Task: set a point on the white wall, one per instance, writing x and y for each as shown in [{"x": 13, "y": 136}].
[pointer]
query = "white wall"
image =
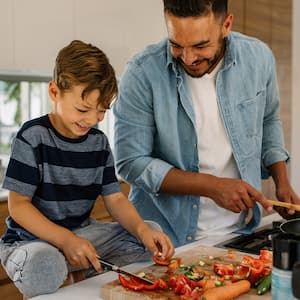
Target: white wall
[
  {"x": 33, "y": 31},
  {"x": 295, "y": 149}
]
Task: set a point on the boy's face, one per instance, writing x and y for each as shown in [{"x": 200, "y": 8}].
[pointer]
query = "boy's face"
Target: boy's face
[{"x": 73, "y": 116}]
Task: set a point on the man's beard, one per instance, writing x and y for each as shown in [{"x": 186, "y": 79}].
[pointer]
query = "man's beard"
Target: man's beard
[{"x": 211, "y": 62}]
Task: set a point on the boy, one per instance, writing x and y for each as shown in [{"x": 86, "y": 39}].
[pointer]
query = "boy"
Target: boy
[{"x": 59, "y": 165}]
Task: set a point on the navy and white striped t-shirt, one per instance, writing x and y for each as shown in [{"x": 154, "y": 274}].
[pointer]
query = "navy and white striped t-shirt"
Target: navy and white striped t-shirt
[{"x": 63, "y": 176}]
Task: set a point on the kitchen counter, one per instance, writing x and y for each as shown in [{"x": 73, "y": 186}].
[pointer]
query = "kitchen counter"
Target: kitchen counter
[{"x": 90, "y": 288}]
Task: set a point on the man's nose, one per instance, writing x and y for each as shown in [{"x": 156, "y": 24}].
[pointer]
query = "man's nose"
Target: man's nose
[{"x": 188, "y": 56}]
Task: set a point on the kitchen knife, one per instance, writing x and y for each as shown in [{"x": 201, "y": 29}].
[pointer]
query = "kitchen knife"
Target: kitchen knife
[{"x": 111, "y": 267}]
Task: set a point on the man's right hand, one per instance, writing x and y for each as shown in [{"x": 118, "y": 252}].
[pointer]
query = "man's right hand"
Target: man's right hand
[{"x": 236, "y": 195}]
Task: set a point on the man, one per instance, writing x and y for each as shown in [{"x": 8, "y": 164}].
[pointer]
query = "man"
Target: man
[{"x": 197, "y": 126}]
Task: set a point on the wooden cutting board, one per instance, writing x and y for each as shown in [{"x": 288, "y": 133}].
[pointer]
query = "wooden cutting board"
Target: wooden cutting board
[{"x": 209, "y": 255}]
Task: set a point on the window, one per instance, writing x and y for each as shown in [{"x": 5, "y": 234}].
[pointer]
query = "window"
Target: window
[{"x": 24, "y": 97}]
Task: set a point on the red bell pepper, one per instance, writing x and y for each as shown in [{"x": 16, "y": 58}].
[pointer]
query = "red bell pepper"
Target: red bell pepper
[
  {"x": 137, "y": 285},
  {"x": 130, "y": 285},
  {"x": 256, "y": 266},
  {"x": 223, "y": 269}
]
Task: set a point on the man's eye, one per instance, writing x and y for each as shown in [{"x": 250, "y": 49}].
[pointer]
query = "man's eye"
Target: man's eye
[{"x": 175, "y": 46}]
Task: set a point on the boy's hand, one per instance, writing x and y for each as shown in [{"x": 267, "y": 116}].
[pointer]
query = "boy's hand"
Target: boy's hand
[
  {"x": 157, "y": 242},
  {"x": 81, "y": 253}
]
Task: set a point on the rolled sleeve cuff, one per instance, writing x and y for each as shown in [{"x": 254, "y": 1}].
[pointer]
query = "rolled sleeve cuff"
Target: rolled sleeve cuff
[
  {"x": 153, "y": 175},
  {"x": 272, "y": 157}
]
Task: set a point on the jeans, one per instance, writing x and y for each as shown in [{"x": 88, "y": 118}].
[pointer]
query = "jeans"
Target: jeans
[{"x": 36, "y": 267}]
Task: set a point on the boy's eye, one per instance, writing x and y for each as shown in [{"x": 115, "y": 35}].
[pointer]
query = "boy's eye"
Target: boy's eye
[{"x": 81, "y": 110}]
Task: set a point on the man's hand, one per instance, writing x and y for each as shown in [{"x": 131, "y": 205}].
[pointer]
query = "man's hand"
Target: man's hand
[
  {"x": 236, "y": 195},
  {"x": 285, "y": 193}
]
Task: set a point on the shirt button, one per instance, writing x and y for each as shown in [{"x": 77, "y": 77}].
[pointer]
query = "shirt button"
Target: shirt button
[
  {"x": 189, "y": 238},
  {"x": 195, "y": 206}
]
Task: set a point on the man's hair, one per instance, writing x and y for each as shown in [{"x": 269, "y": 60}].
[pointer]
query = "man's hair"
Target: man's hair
[
  {"x": 195, "y": 8},
  {"x": 81, "y": 63}
]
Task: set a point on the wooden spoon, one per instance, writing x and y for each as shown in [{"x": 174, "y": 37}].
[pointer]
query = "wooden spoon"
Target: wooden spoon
[{"x": 285, "y": 204}]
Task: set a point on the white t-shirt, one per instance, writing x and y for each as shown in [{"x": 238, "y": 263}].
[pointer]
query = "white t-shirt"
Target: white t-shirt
[{"x": 214, "y": 151}]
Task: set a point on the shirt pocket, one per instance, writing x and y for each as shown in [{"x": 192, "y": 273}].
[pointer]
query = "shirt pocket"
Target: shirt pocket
[{"x": 250, "y": 121}]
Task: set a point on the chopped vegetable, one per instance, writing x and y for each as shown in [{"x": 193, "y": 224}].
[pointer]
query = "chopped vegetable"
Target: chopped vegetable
[
  {"x": 175, "y": 263},
  {"x": 264, "y": 285},
  {"x": 159, "y": 261},
  {"x": 223, "y": 269},
  {"x": 136, "y": 285},
  {"x": 141, "y": 274},
  {"x": 227, "y": 292},
  {"x": 256, "y": 267},
  {"x": 201, "y": 263}
]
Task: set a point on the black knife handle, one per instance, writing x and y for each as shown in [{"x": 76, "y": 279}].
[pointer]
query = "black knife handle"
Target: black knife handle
[{"x": 107, "y": 265}]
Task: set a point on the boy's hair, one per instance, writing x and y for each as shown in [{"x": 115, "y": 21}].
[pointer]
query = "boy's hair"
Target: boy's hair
[
  {"x": 81, "y": 63},
  {"x": 195, "y": 8}
]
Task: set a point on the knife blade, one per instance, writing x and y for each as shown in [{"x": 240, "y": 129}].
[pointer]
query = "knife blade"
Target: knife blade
[{"x": 111, "y": 267}]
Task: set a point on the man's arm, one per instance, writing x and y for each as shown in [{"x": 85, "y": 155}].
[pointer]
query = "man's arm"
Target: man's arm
[
  {"x": 233, "y": 194},
  {"x": 284, "y": 191}
]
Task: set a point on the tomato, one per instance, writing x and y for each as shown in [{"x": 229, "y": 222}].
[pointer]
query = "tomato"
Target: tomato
[
  {"x": 172, "y": 281},
  {"x": 180, "y": 284},
  {"x": 223, "y": 269},
  {"x": 162, "y": 262}
]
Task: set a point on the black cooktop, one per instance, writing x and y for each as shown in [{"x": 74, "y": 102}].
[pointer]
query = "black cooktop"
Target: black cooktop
[{"x": 253, "y": 243}]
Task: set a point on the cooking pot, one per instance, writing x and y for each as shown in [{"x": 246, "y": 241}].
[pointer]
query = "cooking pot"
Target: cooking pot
[{"x": 291, "y": 227}]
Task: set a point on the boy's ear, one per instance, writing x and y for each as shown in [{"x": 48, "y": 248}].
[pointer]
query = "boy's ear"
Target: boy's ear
[{"x": 53, "y": 90}]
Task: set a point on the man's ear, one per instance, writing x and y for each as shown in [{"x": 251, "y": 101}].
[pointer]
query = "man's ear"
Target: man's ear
[
  {"x": 53, "y": 90},
  {"x": 227, "y": 25}
]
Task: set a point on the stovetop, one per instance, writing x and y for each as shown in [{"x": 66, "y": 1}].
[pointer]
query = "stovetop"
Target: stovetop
[{"x": 253, "y": 243}]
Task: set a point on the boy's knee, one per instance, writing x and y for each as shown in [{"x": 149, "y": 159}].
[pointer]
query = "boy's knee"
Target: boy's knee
[{"x": 42, "y": 272}]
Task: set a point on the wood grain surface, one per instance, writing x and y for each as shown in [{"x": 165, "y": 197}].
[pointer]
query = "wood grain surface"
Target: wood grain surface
[{"x": 209, "y": 255}]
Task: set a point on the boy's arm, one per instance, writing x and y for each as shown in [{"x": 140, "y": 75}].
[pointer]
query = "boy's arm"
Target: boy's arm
[
  {"x": 123, "y": 211},
  {"x": 79, "y": 252}
]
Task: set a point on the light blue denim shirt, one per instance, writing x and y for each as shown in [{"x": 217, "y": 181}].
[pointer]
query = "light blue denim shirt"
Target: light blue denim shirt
[{"x": 155, "y": 128}]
